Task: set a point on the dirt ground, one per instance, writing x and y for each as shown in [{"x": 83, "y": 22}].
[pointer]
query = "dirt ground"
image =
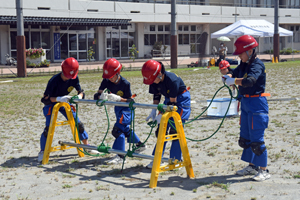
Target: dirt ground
[{"x": 214, "y": 161}]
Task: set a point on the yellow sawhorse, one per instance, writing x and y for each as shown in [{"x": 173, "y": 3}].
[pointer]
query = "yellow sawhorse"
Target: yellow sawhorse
[
  {"x": 161, "y": 139},
  {"x": 54, "y": 124}
]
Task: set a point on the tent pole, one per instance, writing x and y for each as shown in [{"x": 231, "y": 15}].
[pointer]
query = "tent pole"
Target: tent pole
[{"x": 292, "y": 47}]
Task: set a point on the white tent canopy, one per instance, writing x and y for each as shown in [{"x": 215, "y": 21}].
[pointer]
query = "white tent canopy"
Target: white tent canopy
[{"x": 255, "y": 28}]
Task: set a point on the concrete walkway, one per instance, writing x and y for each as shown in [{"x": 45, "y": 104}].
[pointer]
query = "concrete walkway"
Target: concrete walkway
[{"x": 182, "y": 62}]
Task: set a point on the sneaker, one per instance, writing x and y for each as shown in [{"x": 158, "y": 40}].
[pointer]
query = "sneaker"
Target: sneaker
[
  {"x": 40, "y": 156},
  {"x": 141, "y": 147},
  {"x": 262, "y": 175},
  {"x": 149, "y": 166},
  {"x": 115, "y": 160},
  {"x": 249, "y": 170}
]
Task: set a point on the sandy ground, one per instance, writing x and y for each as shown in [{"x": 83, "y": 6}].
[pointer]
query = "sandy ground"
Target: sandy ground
[{"x": 214, "y": 161}]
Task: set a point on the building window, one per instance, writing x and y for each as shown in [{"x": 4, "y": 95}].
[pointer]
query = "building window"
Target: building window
[
  {"x": 149, "y": 39},
  {"x": 180, "y": 28},
  {"x": 195, "y": 43},
  {"x": 180, "y": 39},
  {"x": 193, "y": 28},
  {"x": 160, "y": 38},
  {"x": 160, "y": 27},
  {"x": 146, "y": 39},
  {"x": 152, "y": 27},
  {"x": 186, "y": 39},
  {"x": 152, "y": 39},
  {"x": 167, "y": 39},
  {"x": 167, "y": 27},
  {"x": 124, "y": 27},
  {"x": 186, "y": 28},
  {"x": 36, "y": 36},
  {"x": 193, "y": 38}
]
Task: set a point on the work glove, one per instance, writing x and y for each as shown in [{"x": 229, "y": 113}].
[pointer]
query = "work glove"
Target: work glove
[
  {"x": 65, "y": 98},
  {"x": 79, "y": 96},
  {"x": 104, "y": 96},
  {"x": 152, "y": 115},
  {"x": 158, "y": 118},
  {"x": 224, "y": 77},
  {"x": 230, "y": 81},
  {"x": 113, "y": 97}
]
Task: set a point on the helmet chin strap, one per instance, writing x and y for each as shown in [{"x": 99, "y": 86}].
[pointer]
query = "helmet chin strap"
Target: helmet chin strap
[
  {"x": 249, "y": 56},
  {"x": 117, "y": 78}
]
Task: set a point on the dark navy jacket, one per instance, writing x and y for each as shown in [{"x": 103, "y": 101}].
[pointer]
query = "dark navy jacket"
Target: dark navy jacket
[
  {"x": 57, "y": 87},
  {"x": 172, "y": 86},
  {"x": 257, "y": 70}
]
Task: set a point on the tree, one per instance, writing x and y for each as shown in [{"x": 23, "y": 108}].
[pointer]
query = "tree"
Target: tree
[{"x": 133, "y": 53}]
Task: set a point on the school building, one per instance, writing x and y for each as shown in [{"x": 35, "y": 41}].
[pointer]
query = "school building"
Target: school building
[{"x": 67, "y": 28}]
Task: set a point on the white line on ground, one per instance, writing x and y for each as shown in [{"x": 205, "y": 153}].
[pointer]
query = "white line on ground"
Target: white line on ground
[{"x": 9, "y": 81}]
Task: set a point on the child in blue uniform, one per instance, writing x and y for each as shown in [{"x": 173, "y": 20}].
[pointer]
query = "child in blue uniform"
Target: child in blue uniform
[
  {"x": 120, "y": 91},
  {"x": 224, "y": 68},
  {"x": 250, "y": 75},
  {"x": 174, "y": 90},
  {"x": 58, "y": 88}
]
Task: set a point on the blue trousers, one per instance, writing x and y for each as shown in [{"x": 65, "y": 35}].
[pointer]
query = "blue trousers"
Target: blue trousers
[
  {"x": 123, "y": 124},
  {"x": 175, "y": 151},
  {"x": 184, "y": 110},
  {"x": 47, "y": 110},
  {"x": 254, "y": 121}
]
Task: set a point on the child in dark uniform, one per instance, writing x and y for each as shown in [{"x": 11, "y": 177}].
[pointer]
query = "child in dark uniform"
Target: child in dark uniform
[
  {"x": 174, "y": 90},
  {"x": 120, "y": 91},
  {"x": 58, "y": 88},
  {"x": 224, "y": 68},
  {"x": 250, "y": 75}
]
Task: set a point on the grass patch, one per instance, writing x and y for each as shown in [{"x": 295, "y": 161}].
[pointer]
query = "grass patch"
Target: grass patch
[
  {"x": 67, "y": 186},
  {"x": 219, "y": 185}
]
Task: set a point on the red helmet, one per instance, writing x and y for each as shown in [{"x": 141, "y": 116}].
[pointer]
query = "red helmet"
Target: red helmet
[
  {"x": 224, "y": 64},
  {"x": 70, "y": 68},
  {"x": 244, "y": 43},
  {"x": 150, "y": 71},
  {"x": 111, "y": 67}
]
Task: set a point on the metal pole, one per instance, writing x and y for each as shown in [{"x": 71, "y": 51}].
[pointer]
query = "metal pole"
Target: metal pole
[
  {"x": 119, "y": 152},
  {"x": 21, "y": 56},
  {"x": 173, "y": 35},
  {"x": 276, "y": 34},
  {"x": 124, "y": 104},
  {"x": 19, "y": 7}
]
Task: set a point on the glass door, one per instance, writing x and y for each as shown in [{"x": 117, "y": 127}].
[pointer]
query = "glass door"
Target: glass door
[
  {"x": 78, "y": 45},
  {"x": 82, "y": 46},
  {"x": 118, "y": 44},
  {"x": 115, "y": 41},
  {"x": 124, "y": 44},
  {"x": 73, "y": 46}
]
